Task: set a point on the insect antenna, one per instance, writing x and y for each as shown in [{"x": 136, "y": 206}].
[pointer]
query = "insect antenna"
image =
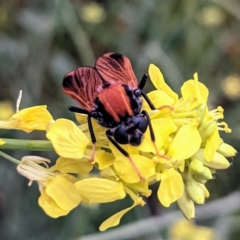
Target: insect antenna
[
  {"x": 141, "y": 86},
  {"x": 143, "y": 81}
]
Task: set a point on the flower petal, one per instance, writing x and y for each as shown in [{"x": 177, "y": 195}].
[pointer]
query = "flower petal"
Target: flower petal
[
  {"x": 158, "y": 81},
  {"x": 158, "y": 98},
  {"x": 2, "y": 142},
  {"x": 67, "y": 165},
  {"x": 67, "y": 139},
  {"x": 114, "y": 220},
  {"x": 28, "y": 119},
  {"x": 104, "y": 159},
  {"x": 50, "y": 207},
  {"x": 212, "y": 144},
  {"x": 163, "y": 127},
  {"x": 186, "y": 143},
  {"x": 196, "y": 89},
  {"x": 63, "y": 192},
  {"x": 126, "y": 171},
  {"x": 127, "y": 147},
  {"x": 171, "y": 187},
  {"x": 100, "y": 190}
]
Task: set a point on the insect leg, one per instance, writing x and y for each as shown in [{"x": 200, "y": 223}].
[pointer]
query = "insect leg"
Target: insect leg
[
  {"x": 125, "y": 153},
  {"x": 148, "y": 100},
  {"x": 141, "y": 86},
  {"x": 152, "y": 135},
  {"x": 77, "y": 110},
  {"x": 90, "y": 127}
]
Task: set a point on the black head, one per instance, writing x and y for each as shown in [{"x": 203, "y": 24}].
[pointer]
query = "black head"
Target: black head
[{"x": 132, "y": 131}]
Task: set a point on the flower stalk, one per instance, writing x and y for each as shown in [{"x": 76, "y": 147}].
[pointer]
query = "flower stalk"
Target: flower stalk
[
  {"x": 31, "y": 145},
  {"x": 8, "y": 157}
]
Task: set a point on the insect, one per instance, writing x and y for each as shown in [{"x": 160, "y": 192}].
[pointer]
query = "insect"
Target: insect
[{"x": 109, "y": 92}]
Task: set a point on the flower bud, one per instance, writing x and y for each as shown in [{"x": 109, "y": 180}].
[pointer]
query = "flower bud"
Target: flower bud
[
  {"x": 206, "y": 129},
  {"x": 196, "y": 166},
  {"x": 200, "y": 112},
  {"x": 205, "y": 174},
  {"x": 218, "y": 161},
  {"x": 227, "y": 150},
  {"x": 186, "y": 206},
  {"x": 206, "y": 192},
  {"x": 195, "y": 191},
  {"x": 199, "y": 179}
]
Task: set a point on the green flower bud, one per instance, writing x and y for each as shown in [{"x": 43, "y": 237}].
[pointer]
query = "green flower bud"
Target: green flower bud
[
  {"x": 204, "y": 175},
  {"x": 200, "y": 112},
  {"x": 218, "y": 161},
  {"x": 196, "y": 166},
  {"x": 199, "y": 179},
  {"x": 206, "y": 129},
  {"x": 186, "y": 206},
  {"x": 207, "y": 174},
  {"x": 195, "y": 191},
  {"x": 227, "y": 150}
]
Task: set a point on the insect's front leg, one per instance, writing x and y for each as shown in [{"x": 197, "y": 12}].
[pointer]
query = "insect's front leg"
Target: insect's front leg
[
  {"x": 90, "y": 127},
  {"x": 152, "y": 135}
]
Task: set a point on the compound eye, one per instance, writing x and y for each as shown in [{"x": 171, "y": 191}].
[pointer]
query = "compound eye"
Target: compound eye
[
  {"x": 136, "y": 138},
  {"x": 137, "y": 92},
  {"x": 141, "y": 123},
  {"x": 121, "y": 135}
]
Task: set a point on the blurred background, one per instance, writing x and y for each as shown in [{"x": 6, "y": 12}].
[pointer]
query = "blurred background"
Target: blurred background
[{"x": 41, "y": 40}]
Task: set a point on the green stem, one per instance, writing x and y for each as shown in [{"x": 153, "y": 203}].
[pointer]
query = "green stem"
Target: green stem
[
  {"x": 31, "y": 145},
  {"x": 8, "y": 157}
]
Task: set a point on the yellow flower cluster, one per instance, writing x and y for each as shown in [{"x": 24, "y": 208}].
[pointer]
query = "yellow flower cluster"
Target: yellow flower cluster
[
  {"x": 185, "y": 154},
  {"x": 184, "y": 229}
]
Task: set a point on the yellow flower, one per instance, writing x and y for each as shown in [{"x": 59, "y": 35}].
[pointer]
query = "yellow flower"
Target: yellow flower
[
  {"x": 6, "y": 110},
  {"x": 133, "y": 190},
  {"x": 92, "y": 13},
  {"x": 103, "y": 190},
  {"x": 185, "y": 153},
  {"x": 28, "y": 119},
  {"x": 58, "y": 193},
  {"x": 188, "y": 230},
  {"x": 193, "y": 88},
  {"x": 188, "y": 155}
]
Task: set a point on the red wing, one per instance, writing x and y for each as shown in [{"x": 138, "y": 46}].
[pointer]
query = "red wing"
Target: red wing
[
  {"x": 114, "y": 67},
  {"x": 83, "y": 85}
]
